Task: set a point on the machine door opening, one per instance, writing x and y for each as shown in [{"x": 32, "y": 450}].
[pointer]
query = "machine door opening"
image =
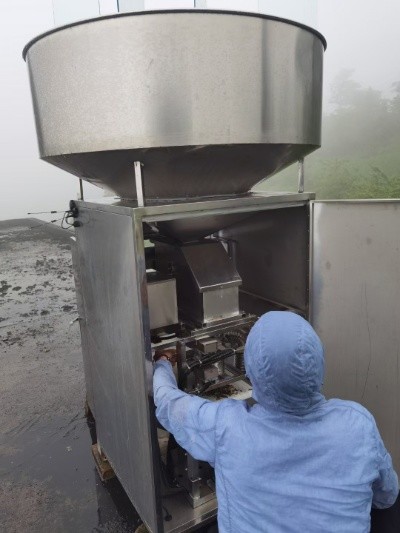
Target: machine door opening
[{"x": 208, "y": 280}]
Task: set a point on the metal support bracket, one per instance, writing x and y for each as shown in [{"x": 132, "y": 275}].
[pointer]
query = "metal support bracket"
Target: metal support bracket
[
  {"x": 301, "y": 175},
  {"x": 139, "y": 183},
  {"x": 81, "y": 189}
]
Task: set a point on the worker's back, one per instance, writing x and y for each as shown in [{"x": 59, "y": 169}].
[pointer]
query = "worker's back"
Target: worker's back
[
  {"x": 293, "y": 462},
  {"x": 286, "y": 473}
]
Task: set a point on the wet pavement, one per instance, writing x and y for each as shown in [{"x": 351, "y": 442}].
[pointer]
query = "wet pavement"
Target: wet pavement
[{"x": 48, "y": 481}]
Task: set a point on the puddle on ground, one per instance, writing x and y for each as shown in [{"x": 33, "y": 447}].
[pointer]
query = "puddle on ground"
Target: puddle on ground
[{"x": 50, "y": 483}]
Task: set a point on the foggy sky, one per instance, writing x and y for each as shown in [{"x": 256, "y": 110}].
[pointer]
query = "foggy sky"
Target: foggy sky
[{"x": 362, "y": 35}]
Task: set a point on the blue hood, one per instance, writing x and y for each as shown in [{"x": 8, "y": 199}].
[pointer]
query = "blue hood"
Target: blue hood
[{"x": 284, "y": 360}]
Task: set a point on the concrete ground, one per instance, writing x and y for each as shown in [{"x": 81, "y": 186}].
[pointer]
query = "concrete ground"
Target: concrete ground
[{"x": 48, "y": 482}]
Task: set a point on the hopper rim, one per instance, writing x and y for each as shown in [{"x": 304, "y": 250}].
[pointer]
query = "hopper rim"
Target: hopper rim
[{"x": 174, "y": 11}]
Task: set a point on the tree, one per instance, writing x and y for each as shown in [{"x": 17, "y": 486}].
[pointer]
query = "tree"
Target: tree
[
  {"x": 344, "y": 90},
  {"x": 360, "y": 154},
  {"x": 395, "y": 102}
]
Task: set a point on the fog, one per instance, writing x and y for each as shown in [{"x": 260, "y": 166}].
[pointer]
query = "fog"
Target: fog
[{"x": 363, "y": 38}]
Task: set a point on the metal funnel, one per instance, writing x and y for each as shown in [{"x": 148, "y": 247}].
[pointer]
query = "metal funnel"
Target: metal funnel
[{"x": 210, "y": 102}]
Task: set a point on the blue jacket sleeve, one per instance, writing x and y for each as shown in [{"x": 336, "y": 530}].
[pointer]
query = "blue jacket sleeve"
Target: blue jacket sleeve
[
  {"x": 190, "y": 419},
  {"x": 386, "y": 487}
]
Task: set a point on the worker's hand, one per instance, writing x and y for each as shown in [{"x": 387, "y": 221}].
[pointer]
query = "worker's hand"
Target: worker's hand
[{"x": 166, "y": 355}]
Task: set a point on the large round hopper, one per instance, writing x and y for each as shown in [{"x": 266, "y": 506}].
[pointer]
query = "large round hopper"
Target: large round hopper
[{"x": 210, "y": 102}]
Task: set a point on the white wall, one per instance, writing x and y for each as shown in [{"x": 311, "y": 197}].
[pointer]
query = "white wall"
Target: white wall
[
  {"x": 305, "y": 11},
  {"x": 66, "y": 11}
]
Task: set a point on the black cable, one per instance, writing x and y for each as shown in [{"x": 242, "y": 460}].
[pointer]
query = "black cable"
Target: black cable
[
  {"x": 45, "y": 213},
  {"x": 43, "y": 224}
]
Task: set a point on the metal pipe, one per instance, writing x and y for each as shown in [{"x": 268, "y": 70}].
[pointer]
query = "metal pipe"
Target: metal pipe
[
  {"x": 139, "y": 183},
  {"x": 301, "y": 174},
  {"x": 80, "y": 189}
]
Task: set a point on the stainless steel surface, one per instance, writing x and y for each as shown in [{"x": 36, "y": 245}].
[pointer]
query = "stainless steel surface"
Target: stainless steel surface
[
  {"x": 211, "y": 102},
  {"x": 139, "y": 183},
  {"x": 207, "y": 344},
  {"x": 272, "y": 259},
  {"x": 185, "y": 518},
  {"x": 301, "y": 175},
  {"x": 201, "y": 209},
  {"x": 356, "y": 306},
  {"x": 210, "y": 266},
  {"x": 163, "y": 307},
  {"x": 88, "y": 363},
  {"x": 223, "y": 214},
  {"x": 198, "y": 227},
  {"x": 115, "y": 348},
  {"x": 220, "y": 303},
  {"x": 207, "y": 282}
]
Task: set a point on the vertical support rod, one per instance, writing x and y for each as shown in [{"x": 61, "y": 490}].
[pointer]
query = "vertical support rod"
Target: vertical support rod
[
  {"x": 139, "y": 183},
  {"x": 301, "y": 174},
  {"x": 80, "y": 189}
]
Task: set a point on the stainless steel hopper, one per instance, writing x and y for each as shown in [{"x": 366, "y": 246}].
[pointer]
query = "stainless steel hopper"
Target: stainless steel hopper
[{"x": 210, "y": 102}]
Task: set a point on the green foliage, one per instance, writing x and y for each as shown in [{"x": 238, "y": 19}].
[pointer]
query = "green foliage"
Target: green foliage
[{"x": 360, "y": 154}]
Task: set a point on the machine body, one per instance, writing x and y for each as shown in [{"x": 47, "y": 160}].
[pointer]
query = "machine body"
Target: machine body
[
  {"x": 179, "y": 114},
  {"x": 116, "y": 278}
]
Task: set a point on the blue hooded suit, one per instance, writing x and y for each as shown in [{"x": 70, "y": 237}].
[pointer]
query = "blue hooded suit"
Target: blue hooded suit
[{"x": 294, "y": 461}]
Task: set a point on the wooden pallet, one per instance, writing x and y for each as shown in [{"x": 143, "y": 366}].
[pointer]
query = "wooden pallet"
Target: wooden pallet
[{"x": 103, "y": 466}]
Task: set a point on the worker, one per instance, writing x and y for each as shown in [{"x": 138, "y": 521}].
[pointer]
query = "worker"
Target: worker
[{"x": 293, "y": 461}]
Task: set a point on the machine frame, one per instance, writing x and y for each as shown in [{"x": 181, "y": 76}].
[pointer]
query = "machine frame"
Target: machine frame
[{"x": 110, "y": 267}]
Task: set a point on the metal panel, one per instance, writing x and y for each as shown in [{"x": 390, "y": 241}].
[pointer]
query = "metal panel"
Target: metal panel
[
  {"x": 272, "y": 258},
  {"x": 356, "y": 306},
  {"x": 163, "y": 306},
  {"x": 210, "y": 102},
  {"x": 210, "y": 266},
  {"x": 207, "y": 208},
  {"x": 80, "y": 303},
  {"x": 112, "y": 269},
  {"x": 198, "y": 227},
  {"x": 222, "y": 302},
  {"x": 206, "y": 279}
]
